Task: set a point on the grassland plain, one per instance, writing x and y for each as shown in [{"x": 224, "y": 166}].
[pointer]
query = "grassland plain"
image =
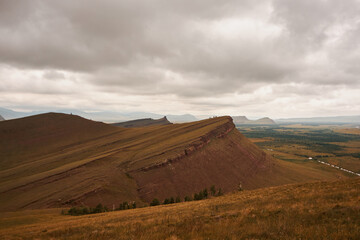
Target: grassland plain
[
  {"x": 318, "y": 210},
  {"x": 336, "y": 145}
]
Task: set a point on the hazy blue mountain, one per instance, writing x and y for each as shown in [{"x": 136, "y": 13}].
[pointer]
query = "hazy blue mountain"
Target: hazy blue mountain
[
  {"x": 323, "y": 120},
  {"x": 143, "y": 122},
  {"x": 10, "y": 114},
  {"x": 181, "y": 118},
  {"x": 104, "y": 116},
  {"x": 242, "y": 120}
]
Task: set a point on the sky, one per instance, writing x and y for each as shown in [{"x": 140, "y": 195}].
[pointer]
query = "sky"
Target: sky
[{"x": 275, "y": 58}]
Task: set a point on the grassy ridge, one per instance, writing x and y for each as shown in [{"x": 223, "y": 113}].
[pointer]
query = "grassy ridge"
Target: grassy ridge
[
  {"x": 59, "y": 160},
  {"x": 321, "y": 210},
  {"x": 52, "y": 160}
]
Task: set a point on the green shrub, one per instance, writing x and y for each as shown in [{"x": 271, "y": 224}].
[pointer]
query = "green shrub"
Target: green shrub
[
  {"x": 187, "y": 199},
  {"x": 155, "y": 202},
  {"x": 212, "y": 190}
]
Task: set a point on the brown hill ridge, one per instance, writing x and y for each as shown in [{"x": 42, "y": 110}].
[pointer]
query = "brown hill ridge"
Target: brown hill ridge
[
  {"x": 143, "y": 122},
  {"x": 56, "y": 160}
]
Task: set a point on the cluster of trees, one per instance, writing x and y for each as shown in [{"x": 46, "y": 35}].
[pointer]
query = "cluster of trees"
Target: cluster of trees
[
  {"x": 197, "y": 196},
  {"x": 76, "y": 211},
  {"x": 126, "y": 205}
]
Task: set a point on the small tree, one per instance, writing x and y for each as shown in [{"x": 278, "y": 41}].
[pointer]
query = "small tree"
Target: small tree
[
  {"x": 85, "y": 210},
  {"x": 155, "y": 202},
  {"x": 187, "y": 199},
  {"x": 177, "y": 200},
  {"x": 166, "y": 201},
  {"x": 220, "y": 193},
  {"x": 201, "y": 195},
  {"x": 205, "y": 193},
  {"x": 213, "y": 190},
  {"x": 98, "y": 209},
  {"x": 134, "y": 205},
  {"x": 172, "y": 200},
  {"x": 196, "y": 196}
]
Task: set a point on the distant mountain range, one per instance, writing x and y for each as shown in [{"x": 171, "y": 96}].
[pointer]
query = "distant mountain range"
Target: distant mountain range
[
  {"x": 143, "y": 122},
  {"x": 242, "y": 120},
  {"x": 104, "y": 116},
  {"x": 323, "y": 120}
]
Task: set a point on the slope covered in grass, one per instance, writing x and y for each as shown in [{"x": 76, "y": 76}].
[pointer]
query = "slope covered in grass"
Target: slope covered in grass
[
  {"x": 320, "y": 210},
  {"x": 55, "y": 160}
]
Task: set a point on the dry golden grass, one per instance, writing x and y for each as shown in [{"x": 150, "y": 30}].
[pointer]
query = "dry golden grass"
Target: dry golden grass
[
  {"x": 322, "y": 210},
  {"x": 348, "y": 131},
  {"x": 255, "y": 140}
]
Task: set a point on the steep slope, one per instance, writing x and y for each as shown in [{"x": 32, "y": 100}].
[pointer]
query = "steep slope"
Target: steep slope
[
  {"x": 55, "y": 160},
  {"x": 143, "y": 122},
  {"x": 1, "y": 118}
]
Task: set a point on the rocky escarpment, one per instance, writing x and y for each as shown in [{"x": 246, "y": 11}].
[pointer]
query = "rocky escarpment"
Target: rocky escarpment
[
  {"x": 217, "y": 133},
  {"x": 221, "y": 157}
]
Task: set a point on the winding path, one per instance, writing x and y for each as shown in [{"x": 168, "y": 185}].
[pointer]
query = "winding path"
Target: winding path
[{"x": 340, "y": 168}]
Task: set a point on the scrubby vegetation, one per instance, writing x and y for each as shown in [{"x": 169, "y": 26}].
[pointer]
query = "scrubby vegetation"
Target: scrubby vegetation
[
  {"x": 204, "y": 194},
  {"x": 77, "y": 211}
]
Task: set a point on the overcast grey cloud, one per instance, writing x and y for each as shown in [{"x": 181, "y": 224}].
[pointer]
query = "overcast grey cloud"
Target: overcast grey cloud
[{"x": 271, "y": 58}]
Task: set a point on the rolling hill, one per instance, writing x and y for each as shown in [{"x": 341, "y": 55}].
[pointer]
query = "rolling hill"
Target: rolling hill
[
  {"x": 143, "y": 122},
  {"x": 56, "y": 160},
  {"x": 242, "y": 120}
]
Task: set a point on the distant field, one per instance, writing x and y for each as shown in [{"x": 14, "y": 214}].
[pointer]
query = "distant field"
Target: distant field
[
  {"x": 321, "y": 210},
  {"x": 296, "y": 143}
]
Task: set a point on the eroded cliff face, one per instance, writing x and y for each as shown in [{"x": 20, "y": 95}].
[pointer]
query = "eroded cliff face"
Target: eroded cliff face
[
  {"x": 222, "y": 157},
  {"x": 217, "y": 133}
]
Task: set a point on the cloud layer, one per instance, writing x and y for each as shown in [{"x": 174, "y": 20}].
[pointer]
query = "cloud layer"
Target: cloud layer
[{"x": 275, "y": 58}]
